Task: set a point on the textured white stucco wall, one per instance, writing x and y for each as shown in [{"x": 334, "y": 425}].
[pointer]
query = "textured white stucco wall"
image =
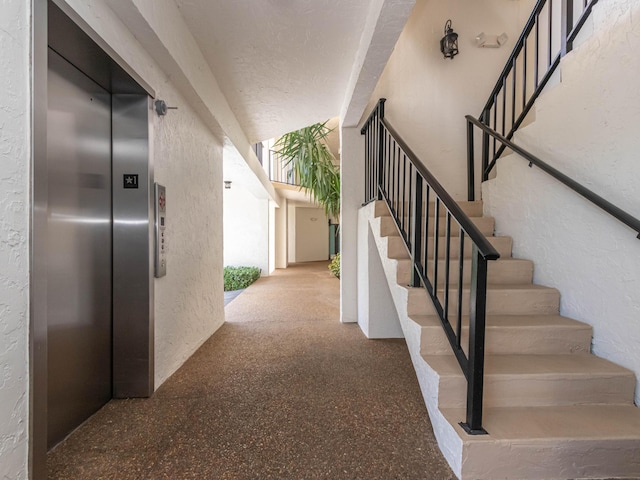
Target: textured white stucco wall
[
  {"x": 246, "y": 229},
  {"x": 188, "y": 161},
  {"x": 189, "y": 300},
  {"x": 428, "y": 96},
  {"x": 587, "y": 127},
  {"x": 377, "y": 314},
  {"x": 14, "y": 236}
]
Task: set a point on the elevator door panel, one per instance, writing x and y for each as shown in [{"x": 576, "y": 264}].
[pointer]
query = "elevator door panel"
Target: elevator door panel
[{"x": 79, "y": 248}]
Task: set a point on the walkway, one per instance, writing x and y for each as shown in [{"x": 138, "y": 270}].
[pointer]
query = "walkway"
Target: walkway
[{"x": 281, "y": 391}]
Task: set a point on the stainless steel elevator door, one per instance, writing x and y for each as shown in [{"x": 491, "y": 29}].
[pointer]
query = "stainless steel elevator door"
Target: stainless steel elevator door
[{"x": 79, "y": 248}]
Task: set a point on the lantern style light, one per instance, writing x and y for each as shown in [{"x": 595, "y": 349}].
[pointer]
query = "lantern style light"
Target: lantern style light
[{"x": 449, "y": 43}]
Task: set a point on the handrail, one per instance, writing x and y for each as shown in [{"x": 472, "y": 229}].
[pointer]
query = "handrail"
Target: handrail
[
  {"x": 377, "y": 110},
  {"x": 484, "y": 247},
  {"x": 594, "y": 198},
  {"x": 516, "y": 50},
  {"x": 394, "y": 174},
  {"x": 525, "y": 74}
]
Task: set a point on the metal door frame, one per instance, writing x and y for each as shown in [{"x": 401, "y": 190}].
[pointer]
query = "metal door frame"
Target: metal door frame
[{"x": 133, "y": 308}]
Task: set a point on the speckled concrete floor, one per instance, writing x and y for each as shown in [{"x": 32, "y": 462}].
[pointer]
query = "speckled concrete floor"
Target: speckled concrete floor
[{"x": 281, "y": 391}]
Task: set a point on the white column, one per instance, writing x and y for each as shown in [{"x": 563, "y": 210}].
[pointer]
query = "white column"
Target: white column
[
  {"x": 273, "y": 232},
  {"x": 281, "y": 234},
  {"x": 351, "y": 197}
]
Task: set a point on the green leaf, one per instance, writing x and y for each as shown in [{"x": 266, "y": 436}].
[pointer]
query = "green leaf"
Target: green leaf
[
  {"x": 237, "y": 278},
  {"x": 305, "y": 151}
]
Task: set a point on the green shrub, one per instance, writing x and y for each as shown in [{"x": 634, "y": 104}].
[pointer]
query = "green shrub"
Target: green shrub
[
  {"x": 334, "y": 266},
  {"x": 237, "y": 278}
]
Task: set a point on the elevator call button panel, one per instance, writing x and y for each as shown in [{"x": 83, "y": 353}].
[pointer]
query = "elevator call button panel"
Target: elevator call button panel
[{"x": 161, "y": 238}]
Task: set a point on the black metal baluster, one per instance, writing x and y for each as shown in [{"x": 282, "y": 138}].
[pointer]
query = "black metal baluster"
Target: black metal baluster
[
  {"x": 495, "y": 123},
  {"x": 367, "y": 174},
  {"x": 393, "y": 181},
  {"x": 381, "y": 154},
  {"x": 475, "y": 372},
  {"x": 372, "y": 159},
  {"x": 376, "y": 159},
  {"x": 416, "y": 245},
  {"x": 366, "y": 165},
  {"x": 524, "y": 73},
  {"x": 393, "y": 176},
  {"x": 471, "y": 169},
  {"x": 460, "y": 283},
  {"x": 485, "y": 156},
  {"x": 397, "y": 186},
  {"x": 447, "y": 256},
  {"x": 513, "y": 94},
  {"x": 372, "y": 162},
  {"x": 379, "y": 184},
  {"x": 401, "y": 204},
  {"x": 404, "y": 195},
  {"x": 388, "y": 160},
  {"x": 436, "y": 240},
  {"x": 566, "y": 26},
  {"x": 425, "y": 269},
  {"x": 550, "y": 5},
  {"x": 383, "y": 164},
  {"x": 374, "y": 154},
  {"x": 537, "y": 53},
  {"x": 411, "y": 207},
  {"x": 504, "y": 102}
]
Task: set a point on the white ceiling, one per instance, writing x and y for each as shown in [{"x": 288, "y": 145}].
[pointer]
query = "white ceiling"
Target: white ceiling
[{"x": 281, "y": 64}]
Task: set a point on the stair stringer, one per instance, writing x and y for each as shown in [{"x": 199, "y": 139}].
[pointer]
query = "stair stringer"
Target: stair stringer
[
  {"x": 449, "y": 441},
  {"x": 524, "y": 442}
]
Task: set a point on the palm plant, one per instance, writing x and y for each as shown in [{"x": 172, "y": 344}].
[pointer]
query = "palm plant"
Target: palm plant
[{"x": 305, "y": 151}]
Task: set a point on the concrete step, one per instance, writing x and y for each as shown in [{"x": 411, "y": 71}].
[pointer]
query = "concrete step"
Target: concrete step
[
  {"x": 507, "y": 271},
  {"x": 552, "y": 409},
  {"x": 537, "y": 380},
  {"x": 472, "y": 209},
  {"x": 484, "y": 224},
  {"x": 397, "y": 250},
  {"x": 501, "y": 300},
  {"x": 512, "y": 334},
  {"x": 578, "y": 441}
]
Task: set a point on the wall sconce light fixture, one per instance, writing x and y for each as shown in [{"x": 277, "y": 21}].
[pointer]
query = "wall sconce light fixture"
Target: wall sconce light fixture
[
  {"x": 449, "y": 43},
  {"x": 227, "y": 184},
  {"x": 491, "y": 41}
]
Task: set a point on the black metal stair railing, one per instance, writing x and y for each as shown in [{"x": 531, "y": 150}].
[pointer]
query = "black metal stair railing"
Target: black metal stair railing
[
  {"x": 509, "y": 103},
  {"x": 594, "y": 198},
  {"x": 548, "y": 35},
  {"x": 395, "y": 175},
  {"x": 281, "y": 170}
]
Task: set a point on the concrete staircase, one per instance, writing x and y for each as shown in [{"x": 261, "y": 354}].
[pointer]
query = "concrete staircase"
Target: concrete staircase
[{"x": 552, "y": 409}]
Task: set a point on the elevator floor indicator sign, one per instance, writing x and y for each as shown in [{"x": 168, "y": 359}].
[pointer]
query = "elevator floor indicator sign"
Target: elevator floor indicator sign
[{"x": 130, "y": 180}]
